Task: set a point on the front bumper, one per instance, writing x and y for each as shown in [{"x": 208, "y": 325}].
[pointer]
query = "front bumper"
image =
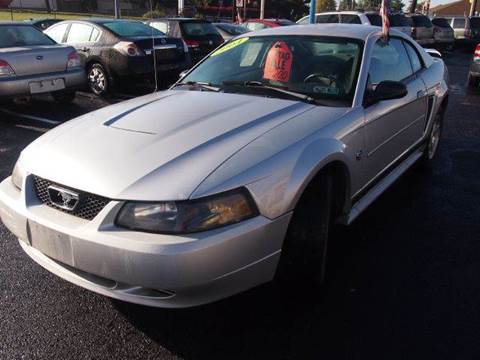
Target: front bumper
[
  {"x": 12, "y": 87},
  {"x": 148, "y": 269}
]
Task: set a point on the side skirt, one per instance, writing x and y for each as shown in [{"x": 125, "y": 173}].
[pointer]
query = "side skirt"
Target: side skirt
[{"x": 381, "y": 186}]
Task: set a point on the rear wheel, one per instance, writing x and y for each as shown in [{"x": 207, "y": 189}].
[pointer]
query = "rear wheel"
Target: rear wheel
[
  {"x": 473, "y": 81},
  {"x": 304, "y": 251},
  {"x": 64, "y": 97},
  {"x": 434, "y": 138},
  {"x": 98, "y": 81}
]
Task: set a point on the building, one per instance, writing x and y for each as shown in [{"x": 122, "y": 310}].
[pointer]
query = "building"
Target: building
[{"x": 456, "y": 8}]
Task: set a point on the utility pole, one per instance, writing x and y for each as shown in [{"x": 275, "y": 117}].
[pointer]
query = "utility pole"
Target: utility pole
[
  {"x": 313, "y": 6},
  {"x": 117, "y": 9},
  {"x": 473, "y": 8},
  {"x": 262, "y": 9}
]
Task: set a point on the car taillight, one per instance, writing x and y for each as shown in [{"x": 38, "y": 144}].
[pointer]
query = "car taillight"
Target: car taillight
[
  {"x": 128, "y": 48},
  {"x": 476, "y": 55},
  {"x": 6, "y": 69},
  {"x": 73, "y": 60},
  {"x": 192, "y": 43}
]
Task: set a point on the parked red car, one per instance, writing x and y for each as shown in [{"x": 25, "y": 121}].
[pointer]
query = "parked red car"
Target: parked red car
[{"x": 259, "y": 24}]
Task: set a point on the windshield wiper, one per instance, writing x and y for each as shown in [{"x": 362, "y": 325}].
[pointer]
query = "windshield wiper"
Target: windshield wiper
[
  {"x": 201, "y": 85},
  {"x": 260, "y": 85}
]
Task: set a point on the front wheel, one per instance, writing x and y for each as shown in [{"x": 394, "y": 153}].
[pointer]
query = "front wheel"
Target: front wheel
[{"x": 304, "y": 250}]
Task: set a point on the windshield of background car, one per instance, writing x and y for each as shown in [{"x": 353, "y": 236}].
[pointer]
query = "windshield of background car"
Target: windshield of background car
[
  {"x": 199, "y": 29},
  {"x": 375, "y": 19},
  {"x": 441, "y": 22},
  {"x": 13, "y": 36},
  {"x": 319, "y": 67},
  {"x": 398, "y": 20},
  {"x": 233, "y": 29},
  {"x": 475, "y": 22},
  {"x": 421, "y": 21},
  {"x": 132, "y": 29}
]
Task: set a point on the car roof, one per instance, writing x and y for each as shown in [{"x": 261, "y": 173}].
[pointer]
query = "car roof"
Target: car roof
[
  {"x": 353, "y": 31},
  {"x": 15, "y": 23}
]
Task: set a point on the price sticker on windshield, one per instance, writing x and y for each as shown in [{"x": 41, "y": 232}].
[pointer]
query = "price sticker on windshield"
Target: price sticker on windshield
[
  {"x": 278, "y": 66},
  {"x": 231, "y": 45}
]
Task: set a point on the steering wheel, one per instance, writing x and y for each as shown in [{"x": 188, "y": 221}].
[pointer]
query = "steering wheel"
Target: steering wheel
[{"x": 325, "y": 78}]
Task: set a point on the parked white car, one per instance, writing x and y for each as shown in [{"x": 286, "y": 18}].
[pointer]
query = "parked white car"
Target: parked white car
[{"x": 398, "y": 21}]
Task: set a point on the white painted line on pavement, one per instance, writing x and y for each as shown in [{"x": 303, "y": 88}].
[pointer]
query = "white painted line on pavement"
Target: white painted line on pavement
[{"x": 31, "y": 117}]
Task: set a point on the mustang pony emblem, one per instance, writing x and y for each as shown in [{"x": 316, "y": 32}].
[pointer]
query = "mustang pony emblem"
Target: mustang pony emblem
[{"x": 63, "y": 198}]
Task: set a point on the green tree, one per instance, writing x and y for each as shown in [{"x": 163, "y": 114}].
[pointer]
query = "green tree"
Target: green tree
[
  {"x": 326, "y": 5},
  {"x": 368, "y": 4},
  {"x": 397, "y": 5},
  {"x": 345, "y": 5}
]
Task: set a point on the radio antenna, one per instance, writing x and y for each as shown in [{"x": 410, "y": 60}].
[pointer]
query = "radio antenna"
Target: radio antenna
[{"x": 153, "y": 49}]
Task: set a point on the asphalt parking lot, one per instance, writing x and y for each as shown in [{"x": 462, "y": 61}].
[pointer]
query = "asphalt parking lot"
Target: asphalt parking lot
[{"x": 402, "y": 280}]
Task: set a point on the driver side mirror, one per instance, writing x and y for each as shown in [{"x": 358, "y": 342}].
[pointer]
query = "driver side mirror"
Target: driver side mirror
[{"x": 386, "y": 90}]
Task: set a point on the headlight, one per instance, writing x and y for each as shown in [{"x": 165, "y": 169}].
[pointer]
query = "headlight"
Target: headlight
[
  {"x": 18, "y": 175},
  {"x": 183, "y": 217}
]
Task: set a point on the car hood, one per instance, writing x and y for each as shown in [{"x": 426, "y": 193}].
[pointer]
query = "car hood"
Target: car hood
[{"x": 156, "y": 147}]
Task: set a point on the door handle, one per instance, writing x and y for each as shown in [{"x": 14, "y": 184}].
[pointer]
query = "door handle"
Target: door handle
[{"x": 421, "y": 94}]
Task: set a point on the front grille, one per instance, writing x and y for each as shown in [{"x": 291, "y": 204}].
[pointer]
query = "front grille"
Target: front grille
[{"x": 89, "y": 204}]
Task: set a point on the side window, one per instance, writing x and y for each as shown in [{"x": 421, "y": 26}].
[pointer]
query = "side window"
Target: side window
[
  {"x": 95, "y": 35},
  {"x": 79, "y": 33},
  {"x": 414, "y": 58},
  {"x": 162, "y": 26},
  {"x": 327, "y": 19},
  {"x": 350, "y": 19},
  {"x": 389, "y": 61},
  {"x": 459, "y": 23},
  {"x": 304, "y": 20},
  {"x": 57, "y": 32}
]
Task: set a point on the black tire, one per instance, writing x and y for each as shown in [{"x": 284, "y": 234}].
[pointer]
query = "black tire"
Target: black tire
[
  {"x": 434, "y": 138},
  {"x": 98, "y": 80},
  {"x": 304, "y": 251},
  {"x": 64, "y": 97},
  {"x": 473, "y": 81}
]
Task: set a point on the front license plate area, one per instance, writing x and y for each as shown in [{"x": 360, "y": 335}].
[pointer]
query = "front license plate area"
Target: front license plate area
[
  {"x": 52, "y": 243},
  {"x": 39, "y": 87}
]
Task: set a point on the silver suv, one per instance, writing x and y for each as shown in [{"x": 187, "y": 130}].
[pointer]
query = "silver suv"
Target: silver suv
[
  {"x": 466, "y": 30},
  {"x": 422, "y": 29}
]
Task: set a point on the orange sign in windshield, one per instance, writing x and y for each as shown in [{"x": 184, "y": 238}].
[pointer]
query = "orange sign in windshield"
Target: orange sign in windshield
[{"x": 278, "y": 65}]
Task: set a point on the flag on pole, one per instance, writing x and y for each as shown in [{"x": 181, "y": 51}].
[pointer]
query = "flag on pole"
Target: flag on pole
[
  {"x": 385, "y": 21},
  {"x": 239, "y": 17}
]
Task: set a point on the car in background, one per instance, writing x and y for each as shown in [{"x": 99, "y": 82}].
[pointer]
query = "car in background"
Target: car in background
[
  {"x": 397, "y": 21},
  {"x": 466, "y": 29},
  {"x": 31, "y": 63},
  {"x": 228, "y": 30},
  {"x": 422, "y": 29},
  {"x": 234, "y": 176},
  {"x": 474, "y": 72},
  {"x": 42, "y": 24},
  {"x": 443, "y": 33},
  {"x": 119, "y": 52},
  {"x": 201, "y": 36},
  {"x": 259, "y": 24}
]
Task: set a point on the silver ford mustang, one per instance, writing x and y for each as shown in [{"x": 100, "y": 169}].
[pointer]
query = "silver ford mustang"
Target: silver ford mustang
[{"x": 233, "y": 176}]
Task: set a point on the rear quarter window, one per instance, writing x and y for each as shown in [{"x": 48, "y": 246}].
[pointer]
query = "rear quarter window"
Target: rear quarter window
[
  {"x": 350, "y": 19},
  {"x": 328, "y": 19}
]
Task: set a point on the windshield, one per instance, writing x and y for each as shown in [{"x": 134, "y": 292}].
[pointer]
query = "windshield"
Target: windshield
[
  {"x": 199, "y": 29},
  {"x": 232, "y": 29},
  {"x": 398, "y": 20},
  {"x": 441, "y": 22},
  {"x": 375, "y": 19},
  {"x": 318, "y": 67},
  {"x": 132, "y": 29},
  {"x": 22, "y": 36},
  {"x": 421, "y": 21},
  {"x": 475, "y": 22}
]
